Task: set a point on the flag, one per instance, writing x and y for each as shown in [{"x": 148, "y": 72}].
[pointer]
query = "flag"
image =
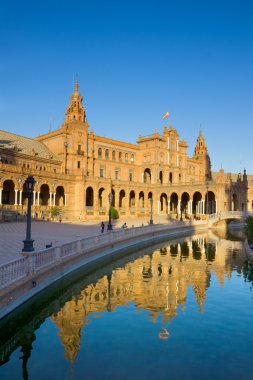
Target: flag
[{"x": 166, "y": 115}]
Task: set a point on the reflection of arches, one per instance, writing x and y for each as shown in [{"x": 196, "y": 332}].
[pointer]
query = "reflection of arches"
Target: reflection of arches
[
  {"x": 163, "y": 203},
  {"x": 132, "y": 199},
  {"x": 173, "y": 202},
  {"x": 89, "y": 196},
  {"x": 161, "y": 177},
  {"x": 234, "y": 202},
  {"x": 184, "y": 203},
  {"x": 147, "y": 176},
  {"x": 59, "y": 196},
  {"x": 210, "y": 204},
  {"x": 141, "y": 199},
  {"x": 122, "y": 196},
  {"x": 8, "y": 193},
  {"x": 101, "y": 195},
  {"x": 44, "y": 195},
  {"x": 196, "y": 203}
]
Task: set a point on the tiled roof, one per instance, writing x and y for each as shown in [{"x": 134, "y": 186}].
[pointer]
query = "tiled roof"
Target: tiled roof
[{"x": 25, "y": 145}]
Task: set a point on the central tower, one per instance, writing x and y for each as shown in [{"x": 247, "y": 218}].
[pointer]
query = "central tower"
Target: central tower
[{"x": 75, "y": 110}]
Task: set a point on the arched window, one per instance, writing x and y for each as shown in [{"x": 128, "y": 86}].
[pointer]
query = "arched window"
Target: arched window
[
  {"x": 126, "y": 157},
  {"x": 107, "y": 154},
  {"x": 113, "y": 155},
  {"x": 120, "y": 156},
  {"x": 99, "y": 153}
]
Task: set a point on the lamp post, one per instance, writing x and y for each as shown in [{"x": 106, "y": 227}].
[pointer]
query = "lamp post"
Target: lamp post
[
  {"x": 151, "y": 211},
  {"x": 28, "y": 242},
  {"x": 109, "y": 227}
]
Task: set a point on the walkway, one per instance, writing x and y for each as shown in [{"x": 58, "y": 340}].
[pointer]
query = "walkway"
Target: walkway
[{"x": 13, "y": 234}]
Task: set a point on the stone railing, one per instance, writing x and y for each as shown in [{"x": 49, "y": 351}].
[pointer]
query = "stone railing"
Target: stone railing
[
  {"x": 32, "y": 263},
  {"x": 225, "y": 215}
]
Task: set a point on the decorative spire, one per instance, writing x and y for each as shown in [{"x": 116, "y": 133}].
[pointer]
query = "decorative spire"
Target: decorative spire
[{"x": 75, "y": 111}]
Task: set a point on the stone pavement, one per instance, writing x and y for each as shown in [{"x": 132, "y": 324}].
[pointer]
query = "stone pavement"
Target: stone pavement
[{"x": 13, "y": 234}]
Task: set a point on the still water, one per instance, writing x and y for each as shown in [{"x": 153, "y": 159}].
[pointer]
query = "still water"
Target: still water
[{"x": 181, "y": 310}]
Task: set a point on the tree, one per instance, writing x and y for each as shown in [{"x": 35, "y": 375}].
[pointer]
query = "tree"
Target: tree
[
  {"x": 114, "y": 213},
  {"x": 55, "y": 211}
]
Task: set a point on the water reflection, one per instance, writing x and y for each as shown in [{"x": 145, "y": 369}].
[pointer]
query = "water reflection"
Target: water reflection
[{"x": 156, "y": 280}]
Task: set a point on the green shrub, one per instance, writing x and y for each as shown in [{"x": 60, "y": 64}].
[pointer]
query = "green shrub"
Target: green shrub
[
  {"x": 249, "y": 229},
  {"x": 55, "y": 211},
  {"x": 114, "y": 213}
]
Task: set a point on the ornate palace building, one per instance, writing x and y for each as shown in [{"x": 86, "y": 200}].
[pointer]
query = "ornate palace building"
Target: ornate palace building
[{"x": 77, "y": 170}]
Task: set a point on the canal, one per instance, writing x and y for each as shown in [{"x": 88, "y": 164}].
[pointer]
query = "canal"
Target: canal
[{"x": 178, "y": 310}]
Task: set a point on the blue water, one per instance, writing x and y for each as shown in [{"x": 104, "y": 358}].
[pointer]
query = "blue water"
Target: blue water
[{"x": 182, "y": 312}]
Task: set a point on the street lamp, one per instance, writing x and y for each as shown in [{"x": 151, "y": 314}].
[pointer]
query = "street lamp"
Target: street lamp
[
  {"x": 109, "y": 227},
  {"x": 151, "y": 211},
  {"x": 28, "y": 242}
]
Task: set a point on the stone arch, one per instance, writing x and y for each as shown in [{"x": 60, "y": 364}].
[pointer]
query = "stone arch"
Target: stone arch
[
  {"x": 185, "y": 197},
  {"x": 173, "y": 203},
  {"x": 99, "y": 152},
  {"x": 101, "y": 197},
  {"x": 131, "y": 199},
  {"x": 141, "y": 199},
  {"x": 122, "y": 198},
  {"x": 197, "y": 197},
  {"x": 147, "y": 176},
  {"x": 210, "y": 203},
  {"x": 163, "y": 203},
  {"x": 44, "y": 195},
  {"x": 234, "y": 202},
  {"x": 8, "y": 193},
  {"x": 89, "y": 199},
  {"x": 59, "y": 196}
]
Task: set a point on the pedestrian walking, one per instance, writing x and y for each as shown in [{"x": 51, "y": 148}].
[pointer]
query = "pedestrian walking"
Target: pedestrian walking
[{"x": 102, "y": 227}]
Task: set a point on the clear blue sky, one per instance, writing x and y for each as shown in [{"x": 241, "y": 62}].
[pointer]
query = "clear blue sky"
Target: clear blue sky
[{"x": 135, "y": 60}]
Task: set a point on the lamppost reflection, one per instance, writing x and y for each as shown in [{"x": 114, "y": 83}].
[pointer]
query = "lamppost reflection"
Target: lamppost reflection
[{"x": 28, "y": 242}]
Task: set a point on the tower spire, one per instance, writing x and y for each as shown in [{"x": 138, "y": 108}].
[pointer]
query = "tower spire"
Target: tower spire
[{"x": 75, "y": 110}]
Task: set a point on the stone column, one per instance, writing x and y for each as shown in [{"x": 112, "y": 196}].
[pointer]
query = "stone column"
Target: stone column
[
  {"x": 216, "y": 206},
  {"x": 34, "y": 197},
  {"x": 179, "y": 207},
  {"x": 20, "y": 197},
  {"x": 50, "y": 199},
  {"x": 54, "y": 195},
  {"x": 203, "y": 207},
  {"x": 38, "y": 198},
  {"x": 65, "y": 200},
  {"x": 1, "y": 190},
  {"x": 16, "y": 198}
]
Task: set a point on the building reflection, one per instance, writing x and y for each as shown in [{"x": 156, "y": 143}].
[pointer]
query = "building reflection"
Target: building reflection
[{"x": 156, "y": 282}]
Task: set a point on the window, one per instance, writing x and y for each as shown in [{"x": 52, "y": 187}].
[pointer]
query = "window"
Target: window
[
  {"x": 120, "y": 156},
  {"x": 126, "y": 157},
  {"x": 131, "y": 176},
  {"x": 117, "y": 173},
  {"x": 113, "y": 155},
  {"x": 107, "y": 154},
  {"x": 99, "y": 153},
  {"x": 102, "y": 172},
  {"x": 78, "y": 164},
  {"x": 132, "y": 158}
]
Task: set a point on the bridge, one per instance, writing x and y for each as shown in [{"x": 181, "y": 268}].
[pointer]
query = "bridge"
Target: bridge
[{"x": 227, "y": 216}]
